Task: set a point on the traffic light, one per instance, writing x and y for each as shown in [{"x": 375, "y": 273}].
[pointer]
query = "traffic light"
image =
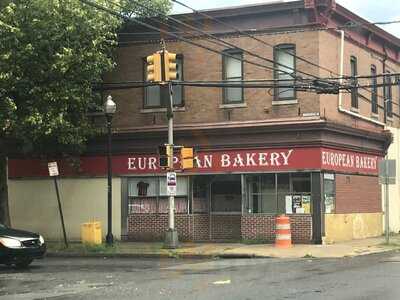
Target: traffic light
[
  {"x": 165, "y": 156},
  {"x": 169, "y": 66},
  {"x": 154, "y": 67},
  {"x": 187, "y": 158}
]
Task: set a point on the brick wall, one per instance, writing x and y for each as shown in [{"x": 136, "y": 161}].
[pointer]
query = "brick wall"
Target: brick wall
[
  {"x": 329, "y": 57},
  {"x": 201, "y": 227},
  {"x": 357, "y": 194},
  {"x": 258, "y": 227},
  {"x": 202, "y": 105},
  {"x": 262, "y": 227},
  {"x": 152, "y": 227},
  {"x": 226, "y": 227},
  {"x": 147, "y": 227},
  {"x": 301, "y": 226}
]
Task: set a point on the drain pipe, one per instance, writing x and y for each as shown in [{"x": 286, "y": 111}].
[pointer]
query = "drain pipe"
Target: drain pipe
[{"x": 340, "y": 99}]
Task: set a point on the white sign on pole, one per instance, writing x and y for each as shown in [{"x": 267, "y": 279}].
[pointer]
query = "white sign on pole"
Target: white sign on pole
[
  {"x": 53, "y": 169},
  {"x": 288, "y": 204},
  {"x": 171, "y": 184},
  {"x": 387, "y": 171}
]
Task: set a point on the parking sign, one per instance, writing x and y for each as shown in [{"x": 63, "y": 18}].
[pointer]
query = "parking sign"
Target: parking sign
[{"x": 171, "y": 184}]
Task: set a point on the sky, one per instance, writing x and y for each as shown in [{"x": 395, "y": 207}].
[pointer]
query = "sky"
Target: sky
[{"x": 371, "y": 10}]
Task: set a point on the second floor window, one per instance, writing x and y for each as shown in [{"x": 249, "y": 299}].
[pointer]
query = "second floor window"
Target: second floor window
[
  {"x": 232, "y": 70},
  {"x": 388, "y": 95},
  {"x": 374, "y": 91},
  {"x": 354, "y": 90},
  {"x": 156, "y": 97},
  {"x": 285, "y": 67}
]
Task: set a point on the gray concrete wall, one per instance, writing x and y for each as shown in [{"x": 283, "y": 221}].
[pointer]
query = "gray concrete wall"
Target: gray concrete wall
[{"x": 33, "y": 205}]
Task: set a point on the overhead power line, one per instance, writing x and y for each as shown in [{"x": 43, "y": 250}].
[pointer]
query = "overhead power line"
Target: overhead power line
[
  {"x": 352, "y": 24},
  {"x": 186, "y": 40},
  {"x": 238, "y": 30},
  {"x": 223, "y": 41},
  {"x": 347, "y": 77}
]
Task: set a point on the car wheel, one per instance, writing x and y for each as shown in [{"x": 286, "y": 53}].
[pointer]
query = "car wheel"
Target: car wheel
[{"x": 23, "y": 263}]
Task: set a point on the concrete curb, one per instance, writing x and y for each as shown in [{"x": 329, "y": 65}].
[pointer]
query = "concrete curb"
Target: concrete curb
[
  {"x": 217, "y": 255},
  {"x": 159, "y": 255},
  {"x": 132, "y": 255}
]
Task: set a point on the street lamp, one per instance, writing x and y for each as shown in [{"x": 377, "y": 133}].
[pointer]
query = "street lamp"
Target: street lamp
[{"x": 109, "y": 109}]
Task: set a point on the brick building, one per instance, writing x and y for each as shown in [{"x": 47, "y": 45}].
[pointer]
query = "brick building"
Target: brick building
[{"x": 260, "y": 152}]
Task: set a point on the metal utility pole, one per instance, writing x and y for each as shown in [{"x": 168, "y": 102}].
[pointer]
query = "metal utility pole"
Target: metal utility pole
[
  {"x": 161, "y": 68},
  {"x": 387, "y": 176},
  {"x": 171, "y": 237},
  {"x": 387, "y": 201}
]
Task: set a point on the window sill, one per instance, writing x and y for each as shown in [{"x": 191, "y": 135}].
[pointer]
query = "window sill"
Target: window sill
[
  {"x": 285, "y": 102},
  {"x": 233, "y": 105},
  {"x": 160, "y": 110},
  {"x": 354, "y": 109},
  {"x": 389, "y": 119},
  {"x": 374, "y": 116}
]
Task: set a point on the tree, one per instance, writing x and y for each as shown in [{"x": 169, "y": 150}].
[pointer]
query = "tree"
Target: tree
[{"x": 51, "y": 52}]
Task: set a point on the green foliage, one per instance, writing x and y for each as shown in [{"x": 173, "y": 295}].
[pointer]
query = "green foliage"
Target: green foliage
[
  {"x": 135, "y": 7},
  {"x": 51, "y": 52}
]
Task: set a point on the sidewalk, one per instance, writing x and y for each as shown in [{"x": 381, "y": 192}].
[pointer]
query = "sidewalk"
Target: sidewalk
[{"x": 225, "y": 250}]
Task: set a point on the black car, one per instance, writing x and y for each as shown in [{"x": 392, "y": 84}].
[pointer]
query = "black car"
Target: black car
[{"x": 19, "y": 248}]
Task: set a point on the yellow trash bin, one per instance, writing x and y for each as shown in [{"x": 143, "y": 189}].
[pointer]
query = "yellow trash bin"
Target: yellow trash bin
[{"x": 91, "y": 233}]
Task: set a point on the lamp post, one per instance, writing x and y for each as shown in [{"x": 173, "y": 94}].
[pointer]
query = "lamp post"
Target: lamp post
[{"x": 109, "y": 110}]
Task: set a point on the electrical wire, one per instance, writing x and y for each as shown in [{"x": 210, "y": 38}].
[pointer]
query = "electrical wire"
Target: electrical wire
[
  {"x": 222, "y": 41},
  {"x": 353, "y": 24},
  {"x": 135, "y": 20},
  {"x": 218, "y": 41},
  {"x": 259, "y": 40},
  {"x": 181, "y": 38},
  {"x": 238, "y": 30}
]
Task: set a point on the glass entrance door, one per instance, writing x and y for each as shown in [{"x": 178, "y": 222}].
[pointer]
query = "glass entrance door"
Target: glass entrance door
[{"x": 226, "y": 207}]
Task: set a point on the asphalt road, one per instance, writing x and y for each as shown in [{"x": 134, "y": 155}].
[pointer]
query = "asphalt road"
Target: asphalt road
[{"x": 367, "y": 277}]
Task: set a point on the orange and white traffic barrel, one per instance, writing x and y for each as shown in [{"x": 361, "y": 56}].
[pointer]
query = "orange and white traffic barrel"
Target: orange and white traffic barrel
[{"x": 283, "y": 237}]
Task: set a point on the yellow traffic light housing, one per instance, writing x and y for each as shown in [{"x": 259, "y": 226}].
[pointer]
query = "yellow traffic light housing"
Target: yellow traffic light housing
[
  {"x": 154, "y": 67},
  {"x": 165, "y": 156},
  {"x": 170, "y": 66},
  {"x": 187, "y": 158}
]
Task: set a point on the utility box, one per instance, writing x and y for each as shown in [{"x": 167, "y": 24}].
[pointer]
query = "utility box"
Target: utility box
[{"x": 91, "y": 233}]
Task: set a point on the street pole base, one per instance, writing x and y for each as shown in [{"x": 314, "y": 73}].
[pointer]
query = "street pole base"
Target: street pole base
[
  {"x": 171, "y": 239},
  {"x": 109, "y": 239}
]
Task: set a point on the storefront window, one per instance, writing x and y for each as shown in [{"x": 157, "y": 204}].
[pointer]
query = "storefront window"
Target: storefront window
[
  {"x": 279, "y": 193},
  {"x": 201, "y": 186},
  {"x": 329, "y": 193},
  {"x": 262, "y": 193},
  {"x": 301, "y": 182},
  {"x": 283, "y": 189},
  {"x": 226, "y": 194},
  {"x": 149, "y": 195},
  {"x": 142, "y": 187},
  {"x": 301, "y": 194}
]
